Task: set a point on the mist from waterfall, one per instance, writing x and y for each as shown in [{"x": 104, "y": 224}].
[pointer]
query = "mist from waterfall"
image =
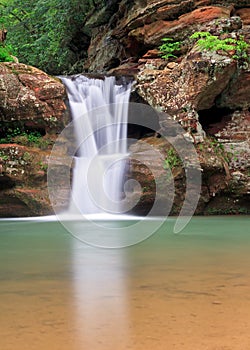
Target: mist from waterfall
[{"x": 99, "y": 109}]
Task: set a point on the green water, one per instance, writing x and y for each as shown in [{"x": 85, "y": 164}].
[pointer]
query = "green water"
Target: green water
[{"x": 185, "y": 291}]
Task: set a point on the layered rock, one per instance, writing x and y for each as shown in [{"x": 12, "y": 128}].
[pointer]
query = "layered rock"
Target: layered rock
[
  {"x": 131, "y": 29},
  {"x": 206, "y": 92},
  {"x": 31, "y": 101},
  {"x": 187, "y": 89},
  {"x": 32, "y": 97}
]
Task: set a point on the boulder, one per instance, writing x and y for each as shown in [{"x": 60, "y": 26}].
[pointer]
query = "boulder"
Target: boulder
[
  {"x": 31, "y": 101},
  {"x": 188, "y": 87},
  {"x": 237, "y": 92},
  {"x": 31, "y": 97}
]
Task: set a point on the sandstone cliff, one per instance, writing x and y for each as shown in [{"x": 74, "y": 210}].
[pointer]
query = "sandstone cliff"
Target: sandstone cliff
[
  {"x": 207, "y": 92},
  {"x": 31, "y": 104}
]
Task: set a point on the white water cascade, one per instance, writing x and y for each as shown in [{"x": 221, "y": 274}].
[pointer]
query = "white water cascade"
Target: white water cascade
[{"x": 99, "y": 109}]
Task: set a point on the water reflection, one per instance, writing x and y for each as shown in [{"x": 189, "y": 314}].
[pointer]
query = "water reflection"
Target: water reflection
[
  {"x": 101, "y": 297},
  {"x": 35, "y": 293},
  {"x": 181, "y": 292}
]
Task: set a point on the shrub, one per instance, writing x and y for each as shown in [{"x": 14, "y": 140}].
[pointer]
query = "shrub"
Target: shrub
[
  {"x": 5, "y": 54},
  {"x": 207, "y": 41},
  {"x": 169, "y": 48},
  {"x": 18, "y": 134},
  {"x": 172, "y": 160}
]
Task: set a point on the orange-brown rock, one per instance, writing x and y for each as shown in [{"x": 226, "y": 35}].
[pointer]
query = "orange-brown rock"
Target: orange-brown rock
[
  {"x": 152, "y": 54},
  {"x": 30, "y": 100},
  {"x": 31, "y": 96},
  {"x": 244, "y": 14},
  {"x": 237, "y": 93},
  {"x": 194, "y": 84},
  {"x": 151, "y": 34}
]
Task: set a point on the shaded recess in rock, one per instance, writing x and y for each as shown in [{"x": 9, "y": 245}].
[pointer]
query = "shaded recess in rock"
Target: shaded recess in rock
[
  {"x": 12, "y": 207},
  {"x": 22, "y": 127},
  {"x": 6, "y": 182},
  {"x": 138, "y": 131},
  {"x": 214, "y": 119}
]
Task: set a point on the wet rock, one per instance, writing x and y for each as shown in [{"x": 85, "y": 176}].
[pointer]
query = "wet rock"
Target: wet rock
[{"x": 148, "y": 170}]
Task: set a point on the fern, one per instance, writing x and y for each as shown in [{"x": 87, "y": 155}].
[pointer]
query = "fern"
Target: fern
[
  {"x": 169, "y": 48},
  {"x": 211, "y": 42}
]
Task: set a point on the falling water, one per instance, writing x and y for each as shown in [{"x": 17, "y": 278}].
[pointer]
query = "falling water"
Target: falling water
[{"x": 99, "y": 109}]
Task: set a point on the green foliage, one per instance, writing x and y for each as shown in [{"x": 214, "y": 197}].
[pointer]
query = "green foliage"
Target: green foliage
[
  {"x": 217, "y": 146},
  {"x": 43, "y": 166},
  {"x": 172, "y": 160},
  {"x": 48, "y": 34},
  {"x": 5, "y": 54},
  {"x": 213, "y": 147},
  {"x": 4, "y": 156},
  {"x": 23, "y": 137},
  {"x": 169, "y": 48},
  {"x": 27, "y": 157},
  {"x": 227, "y": 211},
  {"x": 207, "y": 41},
  {"x": 8, "y": 133}
]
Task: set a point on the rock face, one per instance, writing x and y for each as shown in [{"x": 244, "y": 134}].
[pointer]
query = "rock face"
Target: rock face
[
  {"x": 30, "y": 102},
  {"x": 207, "y": 92},
  {"x": 132, "y": 28},
  {"x": 31, "y": 97}
]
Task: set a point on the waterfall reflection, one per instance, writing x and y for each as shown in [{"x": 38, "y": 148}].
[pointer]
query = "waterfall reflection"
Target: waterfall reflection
[{"x": 100, "y": 293}]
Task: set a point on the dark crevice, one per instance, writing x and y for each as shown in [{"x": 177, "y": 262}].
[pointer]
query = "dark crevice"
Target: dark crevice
[
  {"x": 137, "y": 132},
  {"x": 13, "y": 129},
  {"x": 149, "y": 125},
  {"x": 6, "y": 183},
  {"x": 214, "y": 119}
]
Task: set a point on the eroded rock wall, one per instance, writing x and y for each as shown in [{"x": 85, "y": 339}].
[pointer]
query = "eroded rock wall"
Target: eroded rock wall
[
  {"x": 206, "y": 92},
  {"x": 30, "y": 102}
]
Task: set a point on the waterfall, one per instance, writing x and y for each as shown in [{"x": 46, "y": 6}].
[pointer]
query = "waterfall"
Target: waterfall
[{"x": 99, "y": 109}]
